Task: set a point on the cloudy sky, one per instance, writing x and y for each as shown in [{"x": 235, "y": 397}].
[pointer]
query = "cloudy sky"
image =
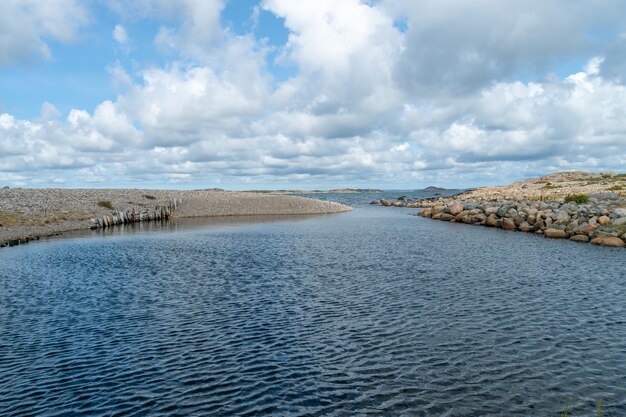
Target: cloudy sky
[{"x": 244, "y": 94}]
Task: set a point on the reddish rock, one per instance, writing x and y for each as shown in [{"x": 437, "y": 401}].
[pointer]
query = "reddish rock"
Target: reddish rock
[
  {"x": 455, "y": 208},
  {"x": 508, "y": 224},
  {"x": 612, "y": 241},
  {"x": 555, "y": 233},
  {"x": 491, "y": 221}
]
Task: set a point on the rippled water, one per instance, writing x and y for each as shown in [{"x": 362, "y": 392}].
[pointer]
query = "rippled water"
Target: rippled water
[{"x": 373, "y": 312}]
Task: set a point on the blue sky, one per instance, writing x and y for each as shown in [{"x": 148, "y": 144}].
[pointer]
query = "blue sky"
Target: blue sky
[{"x": 308, "y": 94}]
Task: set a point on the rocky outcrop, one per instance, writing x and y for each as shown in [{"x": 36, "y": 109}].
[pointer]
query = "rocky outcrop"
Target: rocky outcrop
[{"x": 601, "y": 221}]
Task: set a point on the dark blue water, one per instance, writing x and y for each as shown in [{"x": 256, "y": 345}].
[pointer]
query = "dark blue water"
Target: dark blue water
[{"x": 373, "y": 312}]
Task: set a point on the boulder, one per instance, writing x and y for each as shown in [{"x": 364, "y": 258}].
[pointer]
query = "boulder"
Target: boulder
[
  {"x": 491, "y": 221},
  {"x": 561, "y": 217},
  {"x": 438, "y": 209},
  {"x": 455, "y": 208},
  {"x": 508, "y": 224},
  {"x": 525, "y": 227},
  {"x": 579, "y": 238},
  {"x": 446, "y": 217},
  {"x": 611, "y": 241},
  {"x": 427, "y": 212},
  {"x": 555, "y": 233},
  {"x": 604, "y": 220},
  {"x": 491, "y": 210},
  {"x": 619, "y": 212},
  {"x": 619, "y": 222}
]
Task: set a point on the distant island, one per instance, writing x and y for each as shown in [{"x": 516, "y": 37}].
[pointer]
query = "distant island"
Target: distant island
[{"x": 433, "y": 189}]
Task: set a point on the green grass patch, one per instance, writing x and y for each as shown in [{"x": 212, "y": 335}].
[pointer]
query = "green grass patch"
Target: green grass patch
[
  {"x": 617, "y": 188},
  {"x": 551, "y": 187},
  {"x": 577, "y": 198},
  {"x": 149, "y": 197},
  {"x": 105, "y": 204}
]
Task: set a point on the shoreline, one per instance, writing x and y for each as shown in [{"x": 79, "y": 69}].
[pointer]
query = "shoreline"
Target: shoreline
[
  {"x": 600, "y": 222},
  {"x": 28, "y": 214},
  {"x": 579, "y": 206}
]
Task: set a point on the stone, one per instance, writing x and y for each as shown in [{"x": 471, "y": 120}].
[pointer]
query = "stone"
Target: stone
[
  {"x": 508, "y": 224},
  {"x": 491, "y": 221},
  {"x": 620, "y": 222},
  {"x": 462, "y": 214},
  {"x": 375, "y": 202},
  {"x": 561, "y": 217},
  {"x": 491, "y": 210},
  {"x": 579, "y": 238},
  {"x": 455, "y": 208},
  {"x": 438, "y": 209},
  {"x": 555, "y": 233},
  {"x": 525, "y": 227},
  {"x": 446, "y": 217},
  {"x": 611, "y": 241},
  {"x": 619, "y": 212},
  {"x": 589, "y": 228},
  {"x": 427, "y": 212},
  {"x": 604, "y": 220}
]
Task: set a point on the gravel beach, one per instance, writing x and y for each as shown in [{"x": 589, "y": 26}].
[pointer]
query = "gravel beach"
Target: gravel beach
[{"x": 26, "y": 214}]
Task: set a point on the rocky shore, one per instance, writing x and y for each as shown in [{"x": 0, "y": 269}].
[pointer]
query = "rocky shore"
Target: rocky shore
[
  {"x": 29, "y": 214},
  {"x": 579, "y": 206},
  {"x": 601, "y": 221}
]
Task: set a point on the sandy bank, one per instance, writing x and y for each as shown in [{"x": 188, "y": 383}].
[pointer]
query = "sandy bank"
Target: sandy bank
[{"x": 30, "y": 213}]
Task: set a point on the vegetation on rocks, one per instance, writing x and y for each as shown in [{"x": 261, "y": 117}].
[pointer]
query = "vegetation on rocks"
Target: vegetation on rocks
[
  {"x": 577, "y": 198},
  {"x": 105, "y": 204}
]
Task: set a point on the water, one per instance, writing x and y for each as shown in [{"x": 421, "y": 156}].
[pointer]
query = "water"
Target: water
[{"x": 373, "y": 312}]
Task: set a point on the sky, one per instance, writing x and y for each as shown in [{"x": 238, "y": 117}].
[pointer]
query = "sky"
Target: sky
[{"x": 245, "y": 94}]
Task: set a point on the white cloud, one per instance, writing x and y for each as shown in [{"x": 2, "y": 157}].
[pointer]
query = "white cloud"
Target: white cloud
[
  {"x": 26, "y": 27},
  {"x": 369, "y": 104},
  {"x": 120, "y": 35}
]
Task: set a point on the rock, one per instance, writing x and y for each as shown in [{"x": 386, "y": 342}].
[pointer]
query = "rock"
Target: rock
[
  {"x": 579, "y": 238},
  {"x": 491, "y": 221},
  {"x": 539, "y": 226},
  {"x": 619, "y": 212},
  {"x": 508, "y": 224},
  {"x": 604, "y": 220},
  {"x": 502, "y": 211},
  {"x": 455, "y": 208},
  {"x": 427, "y": 212},
  {"x": 525, "y": 227},
  {"x": 619, "y": 222},
  {"x": 385, "y": 203},
  {"x": 491, "y": 210},
  {"x": 375, "y": 202},
  {"x": 561, "y": 217},
  {"x": 555, "y": 233},
  {"x": 437, "y": 210},
  {"x": 479, "y": 218},
  {"x": 446, "y": 217},
  {"x": 462, "y": 214},
  {"x": 589, "y": 228},
  {"x": 611, "y": 241}
]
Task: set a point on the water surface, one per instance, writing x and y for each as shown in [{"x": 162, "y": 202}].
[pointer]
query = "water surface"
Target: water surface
[{"x": 372, "y": 312}]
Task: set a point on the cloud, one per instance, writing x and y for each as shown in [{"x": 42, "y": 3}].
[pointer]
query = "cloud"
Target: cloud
[
  {"x": 120, "y": 35},
  {"x": 371, "y": 103},
  {"x": 26, "y": 27},
  {"x": 456, "y": 47}
]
